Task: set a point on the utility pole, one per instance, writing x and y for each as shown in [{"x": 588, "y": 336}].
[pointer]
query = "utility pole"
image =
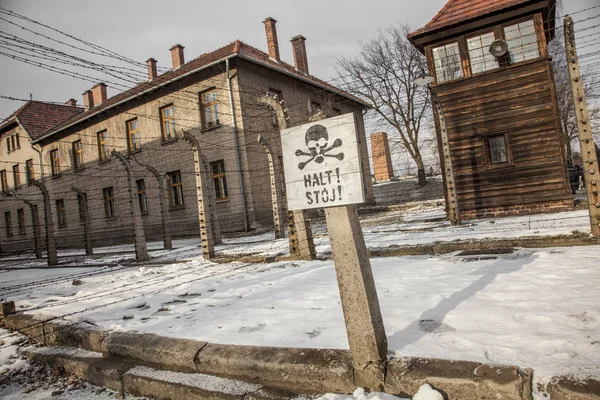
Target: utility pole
[
  {"x": 300, "y": 237},
  {"x": 50, "y": 240},
  {"x": 35, "y": 220},
  {"x": 141, "y": 250},
  {"x": 586, "y": 140},
  {"x": 87, "y": 234},
  {"x": 204, "y": 213},
  {"x": 164, "y": 215},
  {"x": 276, "y": 189}
]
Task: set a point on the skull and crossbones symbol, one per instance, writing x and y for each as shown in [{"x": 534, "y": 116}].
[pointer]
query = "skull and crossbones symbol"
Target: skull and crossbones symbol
[{"x": 317, "y": 140}]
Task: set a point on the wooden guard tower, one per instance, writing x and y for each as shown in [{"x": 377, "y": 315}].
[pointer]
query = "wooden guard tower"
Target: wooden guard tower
[{"x": 494, "y": 84}]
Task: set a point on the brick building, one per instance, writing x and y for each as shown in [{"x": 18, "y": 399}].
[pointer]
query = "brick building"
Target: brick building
[
  {"x": 382, "y": 158},
  {"x": 216, "y": 97}
]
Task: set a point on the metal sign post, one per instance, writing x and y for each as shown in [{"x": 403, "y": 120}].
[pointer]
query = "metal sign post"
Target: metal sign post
[{"x": 323, "y": 169}]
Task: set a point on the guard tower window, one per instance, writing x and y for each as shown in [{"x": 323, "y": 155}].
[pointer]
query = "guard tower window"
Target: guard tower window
[
  {"x": 496, "y": 147},
  {"x": 447, "y": 62},
  {"x": 479, "y": 55},
  {"x": 522, "y": 41}
]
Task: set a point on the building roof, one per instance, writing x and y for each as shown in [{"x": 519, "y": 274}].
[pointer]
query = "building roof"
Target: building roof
[
  {"x": 234, "y": 49},
  {"x": 37, "y": 117},
  {"x": 458, "y": 11}
]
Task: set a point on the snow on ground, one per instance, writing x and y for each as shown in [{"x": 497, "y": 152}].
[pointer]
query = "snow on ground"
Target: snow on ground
[
  {"x": 421, "y": 223},
  {"x": 532, "y": 308}
]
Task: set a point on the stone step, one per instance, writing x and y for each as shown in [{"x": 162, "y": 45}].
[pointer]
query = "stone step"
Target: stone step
[{"x": 123, "y": 377}]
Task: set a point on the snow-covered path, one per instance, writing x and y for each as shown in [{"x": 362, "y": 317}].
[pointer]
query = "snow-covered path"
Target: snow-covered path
[{"x": 532, "y": 308}]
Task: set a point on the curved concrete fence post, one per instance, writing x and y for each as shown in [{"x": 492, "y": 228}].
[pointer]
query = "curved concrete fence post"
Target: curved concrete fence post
[
  {"x": 82, "y": 197},
  {"x": 141, "y": 249},
  {"x": 204, "y": 213},
  {"x": 299, "y": 229},
  {"x": 50, "y": 239},
  {"x": 35, "y": 221},
  {"x": 164, "y": 215}
]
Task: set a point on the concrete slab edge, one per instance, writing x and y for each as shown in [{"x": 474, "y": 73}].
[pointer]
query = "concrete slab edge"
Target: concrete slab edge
[{"x": 289, "y": 369}]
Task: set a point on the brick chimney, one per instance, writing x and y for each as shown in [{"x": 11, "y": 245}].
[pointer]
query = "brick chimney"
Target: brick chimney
[
  {"x": 71, "y": 102},
  {"x": 177, "y": 56},
  {"x": 382, "y": 160},
  {"x": 88, "y": 99},
  {"x": 299, "y": 50},
  {"x": 99, "y": 93},
  {"x": 271, "y": 31},
  {"x": 152, "y": 70}
]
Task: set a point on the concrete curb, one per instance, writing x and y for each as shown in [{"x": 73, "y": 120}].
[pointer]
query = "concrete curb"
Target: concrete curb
[
  {"x": 309, "y": 371},
  {"x": 572, "y": 388},
  {"x": 449, "y": 247},
  {"x": 458, "y": 379}
]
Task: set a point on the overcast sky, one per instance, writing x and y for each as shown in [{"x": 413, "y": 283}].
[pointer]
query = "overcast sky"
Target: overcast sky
[{"x": 142, "y": 29}]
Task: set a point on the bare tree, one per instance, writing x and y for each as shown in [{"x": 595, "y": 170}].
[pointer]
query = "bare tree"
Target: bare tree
[
  {"x": 383, "y": 74},
  {"x": 564, "y": 95}
]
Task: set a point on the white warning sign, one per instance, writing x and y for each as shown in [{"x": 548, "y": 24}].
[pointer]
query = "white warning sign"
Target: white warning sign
[{"x": 322, "y": 164}]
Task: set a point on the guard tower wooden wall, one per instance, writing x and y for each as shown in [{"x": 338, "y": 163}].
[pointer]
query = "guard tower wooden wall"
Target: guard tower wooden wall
[{"x": 501, "y": 113}]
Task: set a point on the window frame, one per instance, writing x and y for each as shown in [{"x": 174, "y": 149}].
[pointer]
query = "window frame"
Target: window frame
[
  {"x": 110, "y": 206},
  {"x": 8, "y": 224},
  {"x": 485, "y": 50},
  {"x": 141, "y": 196},
  {"x": 212, "y": 105},
  {"x": 55, "y": 163},
  {"x": 176, "y": 199},
  {"x": 103, "y": 156},
  {"x": 16, "y": 176},
  {"x": 81, "y": 200},
  {"x": 4, "y": 180},
  {"x": 314, "y": 106},
  {"x": 219, "y": 179},
  {"x": 170, "y": 120},
  {"x": 458, "y": 41},
  {"x": 21, "y": 221},
  {"x": 29, "y": 172},
  {"x": 531, "y": 18},
  {"x": 61, "y": 214},
  {"x": 131, "y": 133},
  {"x": 487, "y": 150},
  {"x": 77, "y": 150},
  {"x": 8, "y": 148}
]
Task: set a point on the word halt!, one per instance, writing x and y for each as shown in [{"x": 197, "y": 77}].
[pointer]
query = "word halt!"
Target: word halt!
[{"x": 328, "y": 188}]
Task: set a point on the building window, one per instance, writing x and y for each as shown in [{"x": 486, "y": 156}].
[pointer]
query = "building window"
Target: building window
[
  {"x": 29, "y": 171},
  {"x": 447, "y": 63},
  {"x": 21, "y": 221},
  {"x": 314, "y": 106},
  {"x": 77, "y": 155},
  {"x": 61, "y": 215},
  {"x": 167, "y": 118},
  {"x": 133, "y": 135},
  {"x": 81, "y": 202},
  {"x": 479, "y": 55},
  {"x": 497, "y": 149},
  {"x": 522, "y": 41},
  {"x": 4, "y": 181},
  {"x": 17, "y": 139},
  {"x": 219, "y": 179},
  {"x": 55, "y": 162},
  {"x": 103, "y": 152},
  {"x": 176, "y": 189},
  {"x": 8, "y": 147},
  {"x": 16, "y": 176},
  {"x": 109, "y": 203},
  {"x": 141, "y": 192},
  {"x": 8, "y": 223},
  {"x": 210, "y": 108}
]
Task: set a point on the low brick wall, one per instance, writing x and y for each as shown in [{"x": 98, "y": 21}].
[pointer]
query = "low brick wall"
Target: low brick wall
[{"x": 521, "y": 209}]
